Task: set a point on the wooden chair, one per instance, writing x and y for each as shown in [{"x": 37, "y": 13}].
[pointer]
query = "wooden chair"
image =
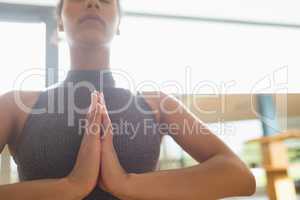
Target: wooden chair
[{"x": 275, "y": 162}]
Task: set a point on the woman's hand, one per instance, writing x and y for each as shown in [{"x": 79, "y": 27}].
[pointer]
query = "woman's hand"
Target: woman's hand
[
  {"x": 85, "y": 173},
  {"x": 113, "y": 178}
]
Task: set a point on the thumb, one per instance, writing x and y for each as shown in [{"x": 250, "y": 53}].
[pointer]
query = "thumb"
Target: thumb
[{"x": 106, "y": 127}]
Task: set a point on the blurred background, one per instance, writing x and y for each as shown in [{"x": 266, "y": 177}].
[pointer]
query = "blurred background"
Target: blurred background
[{"x": 235, "y": 64}]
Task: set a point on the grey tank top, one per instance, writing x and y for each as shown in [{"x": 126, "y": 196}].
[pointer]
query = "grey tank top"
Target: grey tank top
[{"x": 52, "y": 133}]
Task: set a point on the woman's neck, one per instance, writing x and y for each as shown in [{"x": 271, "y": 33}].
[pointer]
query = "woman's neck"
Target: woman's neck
[{"x": 89, "y": 58}]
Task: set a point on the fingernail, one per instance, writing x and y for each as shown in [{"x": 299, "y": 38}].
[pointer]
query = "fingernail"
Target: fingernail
[{"x": 95, "y": 92}]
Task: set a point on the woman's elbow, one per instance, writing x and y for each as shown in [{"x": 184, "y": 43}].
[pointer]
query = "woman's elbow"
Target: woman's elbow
[
  {"x": 250, "y": 185},
  {"x": 245, "y": 179}
]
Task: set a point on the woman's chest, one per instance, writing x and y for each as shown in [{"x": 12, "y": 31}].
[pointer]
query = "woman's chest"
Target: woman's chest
[{"x": 50, "y": 146}]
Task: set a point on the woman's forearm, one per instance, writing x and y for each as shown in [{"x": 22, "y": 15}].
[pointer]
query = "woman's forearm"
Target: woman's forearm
[
  {"x": 215, "y": 178},
  {"x": 46, "y": 189}
]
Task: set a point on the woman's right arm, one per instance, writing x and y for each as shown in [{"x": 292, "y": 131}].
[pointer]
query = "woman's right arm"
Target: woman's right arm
[
  {"x": 81, "y": 180},
  {"x": 41, "y": 190}
]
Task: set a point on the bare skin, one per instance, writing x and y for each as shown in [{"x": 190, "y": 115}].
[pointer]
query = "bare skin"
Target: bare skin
[{"x": 220, "y": 174}]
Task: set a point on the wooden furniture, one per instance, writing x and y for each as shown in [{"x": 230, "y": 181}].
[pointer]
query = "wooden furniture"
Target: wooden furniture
[{"x": 275, "y": 162}]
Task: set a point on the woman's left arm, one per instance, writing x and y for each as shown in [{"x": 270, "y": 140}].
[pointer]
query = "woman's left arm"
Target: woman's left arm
[{"x": 220, "y": 173}]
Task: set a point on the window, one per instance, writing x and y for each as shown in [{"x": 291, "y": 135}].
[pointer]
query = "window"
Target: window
[
  {"x": 188, "y": 52},
  {"x": 22, "y": 53}
]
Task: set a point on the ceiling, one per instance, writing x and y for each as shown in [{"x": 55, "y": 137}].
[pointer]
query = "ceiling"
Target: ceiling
[{"x": 275, "y": 11}]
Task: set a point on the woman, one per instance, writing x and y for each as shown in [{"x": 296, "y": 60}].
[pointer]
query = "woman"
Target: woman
[{"x": 55, "y": 163}]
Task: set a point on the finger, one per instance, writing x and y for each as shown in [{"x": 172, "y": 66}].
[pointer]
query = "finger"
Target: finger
[
  {"x": 99, "y": 102},
  {"x": 88, "y": 159},
  {"x": 107, "y": 126},
  {"x": 104, "y": 110},
  {"x": 106, "y": 123},
  {"x": 98, "y": 96},
  {"x": 109, "y": 155},
  {"x": 91, "y": 139},
  {"x": 92, "y": 108},
  {"x": 94, "y": 117},
  {"x": 94, "y": 98},
  {"x": 98, "y": 116},
  {"x": 101, "y": 98},
  {"x": 94, "y": 125}
]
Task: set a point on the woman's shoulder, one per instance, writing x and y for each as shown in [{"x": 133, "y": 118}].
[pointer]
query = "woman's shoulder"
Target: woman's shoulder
[
  {"x": 18, "y": 101},
  {"x": 162, "y": 103},
  {"x": 153, "y": 99},
  {"x": 22, "y": 100},
  {"x": 18, "y": 104}
]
